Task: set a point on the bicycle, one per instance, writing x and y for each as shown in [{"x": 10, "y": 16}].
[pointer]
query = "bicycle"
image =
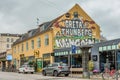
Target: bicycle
[{"x": 110, "y": 74}]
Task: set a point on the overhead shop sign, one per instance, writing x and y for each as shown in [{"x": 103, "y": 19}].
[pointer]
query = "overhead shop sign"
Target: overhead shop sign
[
  {"x": 74, "y": 32},
  {"x": 9, "y": 57}
]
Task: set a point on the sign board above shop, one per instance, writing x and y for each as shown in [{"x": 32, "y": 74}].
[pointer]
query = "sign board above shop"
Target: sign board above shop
[
  {"x": 73, "y": 32},
  {"x": 9, "y": 57}
]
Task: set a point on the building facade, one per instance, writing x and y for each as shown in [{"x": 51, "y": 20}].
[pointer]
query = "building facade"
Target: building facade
[
  {"x": 52, "y": 41},
  {"x": 106, "y": 52},
  {"x": 6, "y": 41}
]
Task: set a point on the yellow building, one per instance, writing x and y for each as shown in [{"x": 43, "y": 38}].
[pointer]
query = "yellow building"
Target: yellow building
[{"x": 52, "y": 41}]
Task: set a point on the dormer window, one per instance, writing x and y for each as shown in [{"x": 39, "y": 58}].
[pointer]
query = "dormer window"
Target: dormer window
[
  {"x": 42, "y": 28},
  {"x": 31, "y": 32}
]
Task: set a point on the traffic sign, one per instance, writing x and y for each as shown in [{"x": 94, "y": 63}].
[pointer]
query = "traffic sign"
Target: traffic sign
[{"x": 73, "y": 49}]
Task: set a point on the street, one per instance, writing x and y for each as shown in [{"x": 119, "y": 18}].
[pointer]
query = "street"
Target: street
[{"x": 17, "y": 76}]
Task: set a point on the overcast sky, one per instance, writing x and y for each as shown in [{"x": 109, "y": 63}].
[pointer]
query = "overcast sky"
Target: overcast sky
[{"x": 19, "y": 16}]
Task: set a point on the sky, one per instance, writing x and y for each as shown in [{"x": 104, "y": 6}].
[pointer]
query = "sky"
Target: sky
[{"x": 20, "y": 16}]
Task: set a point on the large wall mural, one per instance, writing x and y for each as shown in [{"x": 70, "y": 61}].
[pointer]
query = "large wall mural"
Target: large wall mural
[{"x": 73, "y": 32}]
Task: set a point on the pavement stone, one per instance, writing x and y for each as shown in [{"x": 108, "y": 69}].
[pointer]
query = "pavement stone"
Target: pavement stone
[{"x": 74, "y": 77}]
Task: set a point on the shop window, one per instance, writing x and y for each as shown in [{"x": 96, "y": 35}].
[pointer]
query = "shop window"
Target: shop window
[
  {"x": 100, "y": 48},
  {"x": 46, "y": 62},
  {"x": 76, "y": 61},
  {"x": 113, "y": 47},
  {"x": 109, "y": 47},
  {"x": 104, "y": 48}
]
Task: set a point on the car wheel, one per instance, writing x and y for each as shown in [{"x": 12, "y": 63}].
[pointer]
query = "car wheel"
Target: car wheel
[
  {"x": 18, "y": 71},
  {"x": 24, "y": 72},
  {"x": 55, "y": 73},
  {"x": 32, "y": 72},
  {"x": 66, "y": 74},
  {"x": 43, "y": 73}
]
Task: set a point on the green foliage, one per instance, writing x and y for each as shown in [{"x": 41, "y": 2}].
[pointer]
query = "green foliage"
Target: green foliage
[{"x": 31, "y": 63}]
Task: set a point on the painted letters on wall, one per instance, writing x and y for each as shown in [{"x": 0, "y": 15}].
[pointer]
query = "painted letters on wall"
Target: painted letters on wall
[{"x": 74, "y": 32}]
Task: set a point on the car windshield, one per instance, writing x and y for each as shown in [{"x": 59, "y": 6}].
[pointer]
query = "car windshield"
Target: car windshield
[
  {"x": 27, "y": 65},
  {"x": 63, "y": 64}
]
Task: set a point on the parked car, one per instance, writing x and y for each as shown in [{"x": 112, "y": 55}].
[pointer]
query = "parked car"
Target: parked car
[
  {"x": 56, "y": 69},
  {"x": 26, "y": 69}
]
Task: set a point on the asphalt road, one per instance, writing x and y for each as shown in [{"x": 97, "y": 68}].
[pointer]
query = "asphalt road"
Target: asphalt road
[{"x": 17, "y": 76}]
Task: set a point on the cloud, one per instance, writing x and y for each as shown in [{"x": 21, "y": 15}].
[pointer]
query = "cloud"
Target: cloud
[
  {"x": 19, "y": 16},
  {"x": 106, "y": 14}
]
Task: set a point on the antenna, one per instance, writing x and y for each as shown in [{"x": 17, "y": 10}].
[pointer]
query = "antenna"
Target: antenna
[{"x": 37, "y": 21}]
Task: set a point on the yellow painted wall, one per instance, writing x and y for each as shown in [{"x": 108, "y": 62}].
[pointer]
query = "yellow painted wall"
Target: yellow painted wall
[
  {"x": 43, "y": 49},
  {"x": 84, "y": 16}
]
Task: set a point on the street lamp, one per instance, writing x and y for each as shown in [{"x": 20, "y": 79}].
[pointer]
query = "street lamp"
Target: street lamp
[{"x": 85, "y": 59}]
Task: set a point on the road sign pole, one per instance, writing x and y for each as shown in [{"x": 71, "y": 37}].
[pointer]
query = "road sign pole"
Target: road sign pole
[{"x": 73, "y": 52}]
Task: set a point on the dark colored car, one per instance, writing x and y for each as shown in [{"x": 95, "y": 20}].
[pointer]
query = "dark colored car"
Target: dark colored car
[{"x": 56, "y": 69}]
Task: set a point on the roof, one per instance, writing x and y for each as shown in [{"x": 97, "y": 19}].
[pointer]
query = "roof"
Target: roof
[
  {"x": 106, "y": 43},
  {"x": 34, "y": 32},
  {"x": 9, "y": 34},
  {"x": 47, "y": 25}
]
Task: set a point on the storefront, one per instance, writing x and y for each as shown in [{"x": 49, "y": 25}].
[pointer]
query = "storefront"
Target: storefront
[
  {"x": 3, "y": 61},
  {"x": 72, "y": 32},
  {"x": 66, "y": 56},
  {"x": 106, "y": 52},
  {"x": 46, "y": 59}
]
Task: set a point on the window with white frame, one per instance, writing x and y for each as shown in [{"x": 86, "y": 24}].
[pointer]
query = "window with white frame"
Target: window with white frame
[
  {"x": 18, "y": 49},
  {"x": 8, "y": 39},
  {"x": 38, "y": 42},
  {"x": 32, "y": 44},
  {"x": 7, "y": 45},
  {"x": 22, "y": 48},
  {"x": 27, "y": 46},
  {"x": 14, "y": 49},
  {"x": 46, "y": 39},
  {"x": 12, "y": 40}
]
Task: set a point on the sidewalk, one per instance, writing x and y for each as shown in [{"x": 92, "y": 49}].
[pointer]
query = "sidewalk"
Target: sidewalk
[
  {"x": 93, "y": 77},
  {"x": 79, "y": 77}
]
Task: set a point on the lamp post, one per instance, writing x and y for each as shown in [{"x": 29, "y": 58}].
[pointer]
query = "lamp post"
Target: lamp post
[{"x": 85, "y": 59}]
